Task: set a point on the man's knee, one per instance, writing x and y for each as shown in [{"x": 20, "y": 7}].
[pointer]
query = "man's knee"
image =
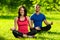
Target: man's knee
[
  {"x": 33, "y": 32},
  {"x": 48, "y": 27}
]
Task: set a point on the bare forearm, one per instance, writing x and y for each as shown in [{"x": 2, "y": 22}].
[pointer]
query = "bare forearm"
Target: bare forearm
[{"x": 47, "y": 23}]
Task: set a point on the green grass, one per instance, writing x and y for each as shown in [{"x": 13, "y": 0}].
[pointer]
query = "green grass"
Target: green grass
[{"x": 52, "y": 34}]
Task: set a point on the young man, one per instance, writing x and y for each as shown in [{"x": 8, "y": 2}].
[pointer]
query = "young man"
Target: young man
[{"x": 37, "y": 18}]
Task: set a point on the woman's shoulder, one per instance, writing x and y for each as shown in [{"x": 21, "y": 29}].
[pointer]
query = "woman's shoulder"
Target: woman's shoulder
[
  {"x": 28, "y": 17},
  {"x": 16, "y": 18}
]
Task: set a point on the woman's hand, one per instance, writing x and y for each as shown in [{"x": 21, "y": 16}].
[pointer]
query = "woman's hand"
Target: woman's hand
[
  {"x": 15, "y": 23},
  {"x": 13, "y": 28}
]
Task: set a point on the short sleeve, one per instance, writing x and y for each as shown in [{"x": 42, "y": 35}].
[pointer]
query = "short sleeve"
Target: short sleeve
[
  {"x": 31, "y": 18},
  {"x": 44, "y": 18}
]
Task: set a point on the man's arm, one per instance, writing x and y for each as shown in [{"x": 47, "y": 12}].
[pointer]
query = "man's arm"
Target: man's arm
[{"x": 47, "y": 23}]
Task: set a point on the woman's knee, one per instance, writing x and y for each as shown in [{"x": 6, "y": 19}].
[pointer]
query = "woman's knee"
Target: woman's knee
[{"x": 14, "y": 31}]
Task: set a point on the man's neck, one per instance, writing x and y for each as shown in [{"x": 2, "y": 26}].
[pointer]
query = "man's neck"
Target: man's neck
[{"x": 37, "y": 13}]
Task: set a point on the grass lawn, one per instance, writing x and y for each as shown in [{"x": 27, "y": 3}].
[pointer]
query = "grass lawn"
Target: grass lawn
[{"x": 52, "y": 34}]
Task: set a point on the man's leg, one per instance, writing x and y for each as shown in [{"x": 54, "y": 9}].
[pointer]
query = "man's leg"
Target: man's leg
[
  {"x": 46, "y": 28},
  {"x": 32, "y": 32}
]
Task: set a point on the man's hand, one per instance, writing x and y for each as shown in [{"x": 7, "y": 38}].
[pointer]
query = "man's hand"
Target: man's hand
[
  {"x": 45, "y": 21},
  {"x": 51, "y": 23},
  {"x": 37, "y": 28}
]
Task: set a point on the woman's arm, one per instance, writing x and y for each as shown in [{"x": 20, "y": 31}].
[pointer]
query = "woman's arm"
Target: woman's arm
[
  {"x": 15, "y": 24},
  {"x": 30, "y": 24}
]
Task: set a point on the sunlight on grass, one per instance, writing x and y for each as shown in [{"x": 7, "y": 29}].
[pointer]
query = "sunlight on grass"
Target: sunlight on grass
[{"x": 53, "y": 34}]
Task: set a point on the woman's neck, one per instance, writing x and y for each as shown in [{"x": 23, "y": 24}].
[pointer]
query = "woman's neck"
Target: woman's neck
[{"x": 21, "y": 16}]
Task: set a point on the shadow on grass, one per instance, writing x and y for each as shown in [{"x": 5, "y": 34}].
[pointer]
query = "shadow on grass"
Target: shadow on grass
[
  {"x": 58, "y": 33},
  {"x": 49, "y": 32},
  {"x": 12, "y": 17},
  {"x": 44, "y": 38},
  {"x": 2, "y": 38},
  {"x": 7, "y": 17},
  {"x": 39, "y": 38}
]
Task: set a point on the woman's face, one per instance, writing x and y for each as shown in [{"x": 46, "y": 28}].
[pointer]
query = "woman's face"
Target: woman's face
[{"x": 22, "y": 11}]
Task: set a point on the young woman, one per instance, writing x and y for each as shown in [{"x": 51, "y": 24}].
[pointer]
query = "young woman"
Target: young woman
[{"x": 23, "y": 21}]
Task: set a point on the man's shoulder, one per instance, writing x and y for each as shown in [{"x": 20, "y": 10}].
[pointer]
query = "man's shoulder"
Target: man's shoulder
[
  {"x": 33, "y": 14},
  {"x": 42, "y": 14}
]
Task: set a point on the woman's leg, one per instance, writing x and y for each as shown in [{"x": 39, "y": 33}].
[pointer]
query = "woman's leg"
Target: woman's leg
[{"x": 17, "y": 34}]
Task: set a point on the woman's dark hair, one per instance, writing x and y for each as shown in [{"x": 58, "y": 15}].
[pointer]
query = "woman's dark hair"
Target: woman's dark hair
[{"x": 25, "y": 11}]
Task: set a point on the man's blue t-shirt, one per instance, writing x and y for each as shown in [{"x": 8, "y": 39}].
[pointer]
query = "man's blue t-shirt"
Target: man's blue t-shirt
[{"x": 37, "y": 19}]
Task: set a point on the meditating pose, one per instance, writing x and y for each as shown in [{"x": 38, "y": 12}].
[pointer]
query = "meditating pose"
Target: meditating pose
[
  {"x": 22, "y": 22},
  {"x": 37, "y": 18}
]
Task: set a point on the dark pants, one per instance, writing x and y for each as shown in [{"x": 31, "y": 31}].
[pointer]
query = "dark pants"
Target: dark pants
[
  {"x": 33, "y": 31},
  {"x": 19, "y": 34},
  {"x": 46, "y": 28}
]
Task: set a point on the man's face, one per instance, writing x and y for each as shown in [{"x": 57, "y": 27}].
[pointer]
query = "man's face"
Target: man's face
[{"x": 37, "y": 8}]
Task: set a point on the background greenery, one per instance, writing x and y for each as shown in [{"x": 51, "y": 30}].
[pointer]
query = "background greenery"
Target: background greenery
[{"x": 9, "y": 9}]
